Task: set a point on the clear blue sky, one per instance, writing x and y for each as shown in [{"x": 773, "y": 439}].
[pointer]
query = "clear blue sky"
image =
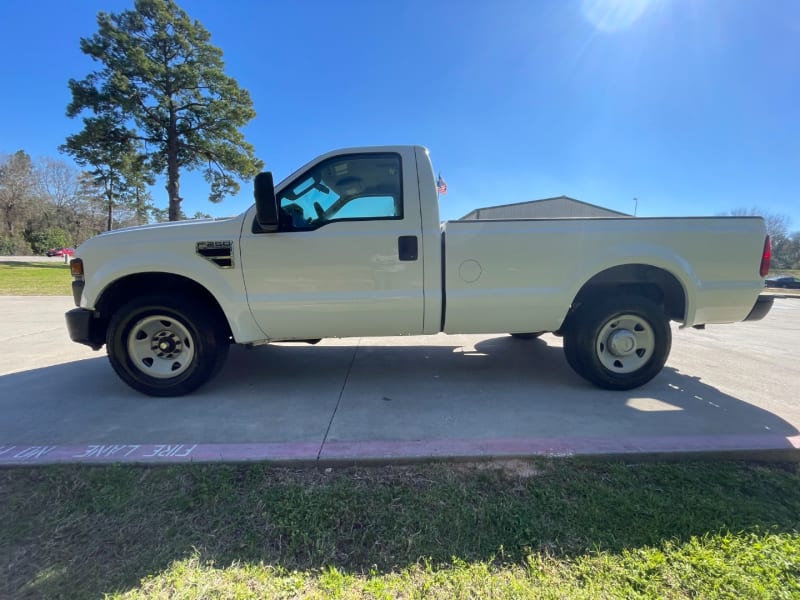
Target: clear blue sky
[{"x": 693, "y": 106}]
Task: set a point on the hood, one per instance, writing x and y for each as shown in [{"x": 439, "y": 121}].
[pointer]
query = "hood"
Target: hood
[{"x": 167, "y": 234}]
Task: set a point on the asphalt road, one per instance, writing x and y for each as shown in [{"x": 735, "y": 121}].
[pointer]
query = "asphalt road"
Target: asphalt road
[{"x": 730, "y": 388}]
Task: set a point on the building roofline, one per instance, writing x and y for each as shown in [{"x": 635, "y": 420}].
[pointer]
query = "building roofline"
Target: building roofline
[{"x": 562, "y": 197}]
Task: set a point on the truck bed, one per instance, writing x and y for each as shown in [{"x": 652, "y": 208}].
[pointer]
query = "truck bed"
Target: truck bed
[{"x": 523, "y": 274}]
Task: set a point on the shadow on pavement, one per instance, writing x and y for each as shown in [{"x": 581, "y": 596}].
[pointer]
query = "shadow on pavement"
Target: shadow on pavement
[{"x": 500, "y": 388}]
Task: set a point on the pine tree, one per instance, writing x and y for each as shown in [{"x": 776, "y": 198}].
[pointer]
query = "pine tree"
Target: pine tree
[{"x": 163, "y": 93}]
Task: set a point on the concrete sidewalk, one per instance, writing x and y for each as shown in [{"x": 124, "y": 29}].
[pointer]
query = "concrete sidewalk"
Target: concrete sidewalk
[{"x": 729, "y": 390}]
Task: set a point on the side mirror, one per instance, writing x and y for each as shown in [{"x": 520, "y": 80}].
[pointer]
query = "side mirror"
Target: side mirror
[{"x": 266, "y": 204}]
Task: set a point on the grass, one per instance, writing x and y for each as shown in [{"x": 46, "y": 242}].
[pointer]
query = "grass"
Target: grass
[
  {"x": 34, "y": 279},
  {"x": 573, "y": 529}
]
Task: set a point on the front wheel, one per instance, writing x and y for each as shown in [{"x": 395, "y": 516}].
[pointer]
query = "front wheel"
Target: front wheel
[
  {"x": 619, "y": 343},
  {"x": 163, "y": 346}
]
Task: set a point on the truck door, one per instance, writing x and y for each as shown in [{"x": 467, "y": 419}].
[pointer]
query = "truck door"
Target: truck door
[{"x": 344, "y": 261}]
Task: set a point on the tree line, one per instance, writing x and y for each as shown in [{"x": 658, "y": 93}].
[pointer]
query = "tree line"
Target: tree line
[{"x": 49, "y": 203}]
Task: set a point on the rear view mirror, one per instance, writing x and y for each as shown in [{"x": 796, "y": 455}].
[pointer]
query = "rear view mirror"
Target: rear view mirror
[{"x": 266, "y": 204}]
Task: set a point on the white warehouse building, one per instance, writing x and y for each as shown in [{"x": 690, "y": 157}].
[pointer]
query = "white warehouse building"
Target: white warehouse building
[{"x": 548, "y": 208}]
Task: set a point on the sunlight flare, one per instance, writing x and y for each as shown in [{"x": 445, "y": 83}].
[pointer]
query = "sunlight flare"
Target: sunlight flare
[{"x": 613, "y": 15}]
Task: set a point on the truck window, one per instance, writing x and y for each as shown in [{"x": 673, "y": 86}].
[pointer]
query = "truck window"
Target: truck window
[{"x": 344, "y": 188}]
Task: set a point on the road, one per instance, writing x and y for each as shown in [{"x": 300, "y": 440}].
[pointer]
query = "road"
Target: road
[{"x": 730, "y": 388}]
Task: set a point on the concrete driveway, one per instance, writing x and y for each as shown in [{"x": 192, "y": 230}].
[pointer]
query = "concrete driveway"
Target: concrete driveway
[{"x": 728, "y": 389}]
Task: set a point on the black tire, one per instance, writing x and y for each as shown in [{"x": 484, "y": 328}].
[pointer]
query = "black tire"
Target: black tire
[
  {"x": 166, "y": 346},
  {"x": 571, "y": 354},
  {"x": 526, "y": 336},
  {"x": 619, "y": 343}
]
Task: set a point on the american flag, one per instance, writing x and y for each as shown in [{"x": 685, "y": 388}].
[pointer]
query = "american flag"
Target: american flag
[{"x": 441, "y": 185}]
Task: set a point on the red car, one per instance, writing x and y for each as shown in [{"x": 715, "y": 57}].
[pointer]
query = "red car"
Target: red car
[{"x": 61, "y": 252}]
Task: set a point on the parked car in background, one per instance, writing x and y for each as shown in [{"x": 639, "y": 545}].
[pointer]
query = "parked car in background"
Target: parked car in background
[
  {"x": 61, "y": 252},
  {"x": 783, "y": 281}
]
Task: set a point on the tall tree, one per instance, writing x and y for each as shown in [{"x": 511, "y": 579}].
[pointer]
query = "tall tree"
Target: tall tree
[
  {"x": 162, "y": 75},
  {"x": 112, "y": 152}
]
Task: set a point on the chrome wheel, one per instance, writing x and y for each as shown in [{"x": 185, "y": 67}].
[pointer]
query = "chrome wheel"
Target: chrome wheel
[
  {"x": 625, "y": 343},
  {"x": 160, "y": 346}
]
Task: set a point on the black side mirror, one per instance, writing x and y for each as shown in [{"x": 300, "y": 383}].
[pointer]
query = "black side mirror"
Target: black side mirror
[{"x": 266, "y": 204}]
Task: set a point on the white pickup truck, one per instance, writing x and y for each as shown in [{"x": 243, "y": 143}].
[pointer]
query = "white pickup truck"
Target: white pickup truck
[{"x": 351, "y": 245}]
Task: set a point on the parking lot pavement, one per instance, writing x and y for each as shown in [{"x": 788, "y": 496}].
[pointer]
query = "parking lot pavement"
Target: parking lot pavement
[{"x": 728, "y": 389}]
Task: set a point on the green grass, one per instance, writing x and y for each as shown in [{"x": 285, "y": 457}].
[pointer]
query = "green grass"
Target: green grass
[
  {"x": 34, "y": 279},
  {"x": 573, "y": 529}
]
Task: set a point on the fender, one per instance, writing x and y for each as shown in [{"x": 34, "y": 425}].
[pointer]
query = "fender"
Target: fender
[{"x": 160, "y": 250}]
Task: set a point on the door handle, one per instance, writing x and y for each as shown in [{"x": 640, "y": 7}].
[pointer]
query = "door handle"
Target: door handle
[{"x": 408, "y": 247}]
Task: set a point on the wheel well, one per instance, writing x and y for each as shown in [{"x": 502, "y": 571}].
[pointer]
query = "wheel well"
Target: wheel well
[
  {"x": 124, "y": 289},
  {"x": 652, "y": 282}
]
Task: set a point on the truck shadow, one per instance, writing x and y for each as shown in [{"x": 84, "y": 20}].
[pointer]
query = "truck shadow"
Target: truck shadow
[{"x": 499, "y": 388}]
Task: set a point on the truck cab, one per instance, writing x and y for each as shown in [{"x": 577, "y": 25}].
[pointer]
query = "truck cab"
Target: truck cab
[{"x": 352, "y": 246}]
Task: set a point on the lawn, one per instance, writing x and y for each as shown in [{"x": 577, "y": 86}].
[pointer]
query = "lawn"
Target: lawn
[
  {"x": 560, "y": 529},
  {"x": 34, "y": 279}
]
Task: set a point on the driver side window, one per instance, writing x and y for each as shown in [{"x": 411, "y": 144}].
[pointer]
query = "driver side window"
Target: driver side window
[{"x": 344, "y": 188}]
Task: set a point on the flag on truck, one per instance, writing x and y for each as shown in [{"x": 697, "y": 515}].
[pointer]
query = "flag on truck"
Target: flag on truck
[{"x": 441, "y": 185}]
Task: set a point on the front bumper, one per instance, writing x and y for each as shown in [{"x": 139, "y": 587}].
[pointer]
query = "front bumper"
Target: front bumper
[
  {"x": 82, "y": 328},
  {"x": 761, "y": 307}
]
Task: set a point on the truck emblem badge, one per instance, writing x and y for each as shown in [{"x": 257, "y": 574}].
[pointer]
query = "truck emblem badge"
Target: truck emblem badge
[{"x": 219, "y": 252}]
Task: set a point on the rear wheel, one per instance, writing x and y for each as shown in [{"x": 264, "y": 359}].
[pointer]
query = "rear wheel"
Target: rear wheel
[
  {"x": 619, "y": 343},
  {"x": 163, "y": 346}
]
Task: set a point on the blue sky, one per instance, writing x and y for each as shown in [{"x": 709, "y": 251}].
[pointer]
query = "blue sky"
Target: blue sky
[{"x": 692, "y": 106}]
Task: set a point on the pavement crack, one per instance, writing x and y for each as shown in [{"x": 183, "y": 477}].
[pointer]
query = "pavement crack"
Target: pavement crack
[{"x": 339, "y": 399}]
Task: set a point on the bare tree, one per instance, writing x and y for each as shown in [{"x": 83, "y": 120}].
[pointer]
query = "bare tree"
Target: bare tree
[
  {"x": 778, "y": 230},
  {"x": 18, "y": 192},
  {"x": 59, "y": 182}
]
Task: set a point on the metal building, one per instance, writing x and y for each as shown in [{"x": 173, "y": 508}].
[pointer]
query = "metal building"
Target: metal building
[{"x": 548, "y": 208}]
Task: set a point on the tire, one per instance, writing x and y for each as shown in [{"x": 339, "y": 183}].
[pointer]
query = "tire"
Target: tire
[
  {"x": 620, "y": 343},
  {"x": 166, "y": 346},
  {"x": 571, "y": 354},
  {"x": 526, "y": 336}
]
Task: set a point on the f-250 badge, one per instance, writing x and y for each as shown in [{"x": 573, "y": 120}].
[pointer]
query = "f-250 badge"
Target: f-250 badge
[{"x": 220, "y": 252}]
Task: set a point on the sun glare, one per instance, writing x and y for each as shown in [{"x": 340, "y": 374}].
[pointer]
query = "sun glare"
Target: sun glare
[{"x": 613, "y": 15}]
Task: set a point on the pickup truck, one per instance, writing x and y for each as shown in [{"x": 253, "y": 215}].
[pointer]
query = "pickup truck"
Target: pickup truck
[{"x": 350, "y": 245}]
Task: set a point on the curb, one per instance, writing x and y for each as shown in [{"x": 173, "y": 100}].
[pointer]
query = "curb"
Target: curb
[{"x": 749, "y": 446}]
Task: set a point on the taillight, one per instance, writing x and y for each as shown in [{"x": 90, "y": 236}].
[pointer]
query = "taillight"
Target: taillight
[{"x": 766, "y": 257}]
